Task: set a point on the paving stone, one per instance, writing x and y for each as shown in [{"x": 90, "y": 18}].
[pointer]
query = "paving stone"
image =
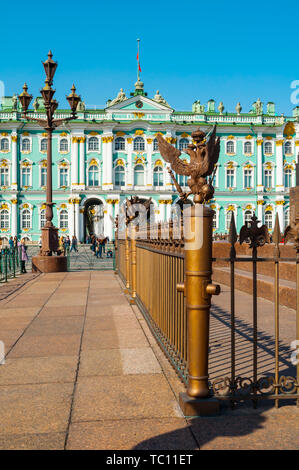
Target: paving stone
[
  {"x": 139, "y": 361},
  {"x": 56, "y": 326},
  {"x": 35, "y": 408},
  {"x": 44, "y": 346},
  {"x": 46, "y": 441},
  {"x": 12, "y": 311},
  {"x": 131, "y": 396},
  {"x": 142, "y": 434},
  {"x": 38, "y": 370},
  {"x": 65, "y": 311},
  {"x": 100, "y": 362}
]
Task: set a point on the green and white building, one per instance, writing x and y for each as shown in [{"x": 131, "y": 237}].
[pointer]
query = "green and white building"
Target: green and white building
[{"x": 109, "y": 154}]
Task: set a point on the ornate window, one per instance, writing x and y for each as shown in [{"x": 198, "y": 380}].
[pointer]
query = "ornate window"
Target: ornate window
[
  {"x": 183, "y": 144},
  {"x": 42, "y": 218},
  {"x": 248, "y": 178},
  {"x": 26, "y": 145},
  {"x": 4, "y": 145},
  {"x": 247, "y": 217},
  {"x": 4, "y": 176},
  {"x": 26, "y": 219},
  {"x": 119, "y": 176},
  {"x": 43, "y": 176},
  {"x": 286, "y": 217},
  {"x": 93, "y": 176},
  {"x": 228, "y": 217},
  {"x": 268, "y": 148},
  {"x": 63, "y": 176},
  {"x": 288, "y": 148},
  {"x": 158, "y": 175},
  {"x": 63, "y": 219},
  {"x": 268, "y": 178},
  {"x": 230, "y": 177},
  {"x": 93, "y": 144},
  {"x": 155, "y": 145},
  {"x": 230, "y": 146},
  {"x": 248, "y": 147},
  {"x": 214, "y": 222},
  {"x": 26, "y": 176},
  {"x": 269, "y": 219},
  {"x": 44, "y": 145},
  {"x": 139, "y": 175},
  {"x": 139, "y": 144},
  {"x": 63, "y": 145},
  {"x": 4, "y": 218},
  {"x": 287, "y": 177},
  {"x": 120, "y": 143}
]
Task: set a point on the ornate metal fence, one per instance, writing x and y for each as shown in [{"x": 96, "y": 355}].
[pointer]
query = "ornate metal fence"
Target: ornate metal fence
[
  {"x": 153, "y": 269},
  {"x": 9, "y": 264}
]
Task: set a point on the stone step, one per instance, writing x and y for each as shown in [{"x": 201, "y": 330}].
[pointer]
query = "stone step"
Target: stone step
[{"x": 265, "y": 285}]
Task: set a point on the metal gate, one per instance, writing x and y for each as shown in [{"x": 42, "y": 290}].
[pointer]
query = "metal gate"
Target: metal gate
[{"x": 84, "y": 259}]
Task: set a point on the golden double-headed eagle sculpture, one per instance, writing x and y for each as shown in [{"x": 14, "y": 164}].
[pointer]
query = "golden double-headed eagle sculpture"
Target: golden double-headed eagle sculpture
[{"x": 203, "y": 158}]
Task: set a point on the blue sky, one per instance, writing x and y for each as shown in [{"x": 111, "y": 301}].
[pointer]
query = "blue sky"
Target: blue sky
[{"x": 229, "y": 51}]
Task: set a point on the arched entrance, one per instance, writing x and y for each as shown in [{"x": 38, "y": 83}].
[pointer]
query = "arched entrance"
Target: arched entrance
[{"x": 93, "y": 218}]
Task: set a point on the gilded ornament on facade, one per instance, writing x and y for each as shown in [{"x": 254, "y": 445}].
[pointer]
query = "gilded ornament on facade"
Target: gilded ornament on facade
[
  {"x": 259, "y": 141},
  {"x": 149, "y": 141},
  {"x": 129, "y": 140},
  {"x": 279, "y": 142},
  {"x": 289, "y": 129},
  {"x": 14, "y": 138},
  {"x": 260, "y": 202},
  {"x": 248, "y": 137},
  {"x": 203, "y": 158},
  {"x": 139, "y": 132}
]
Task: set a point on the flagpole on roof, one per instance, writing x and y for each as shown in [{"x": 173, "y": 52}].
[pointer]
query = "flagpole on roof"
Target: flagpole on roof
[{"x": 138, "y": 66}]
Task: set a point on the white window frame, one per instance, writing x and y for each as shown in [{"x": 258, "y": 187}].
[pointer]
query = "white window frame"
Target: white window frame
[
  {"x": 30, "y": 175},
  {"x": 268, "y": 142},
  {"x": 289, "y": 142},
  {"x": 183, "y": 143},
  {"x": 7, "y": 171},
  {"x": 42, "y": 139},
  {"x": 8, "y": 140},
  {"x": 233, "y": 142},
  {"x": 138, "y": 142},
  {"x": 252, "y": 176},
  {"x": 30, "y": 219},
  {"x": 117, "y": 141},
  {"x": 6, "y": 220},
  {"x": 244, "y": 147},
  {"x": 114, "y": 175},
  {"x": 228, "y": 168},
  {"x": 272, "y": 217},
  {"x": 42, "y": 210},
  {"x": 272, "y": 177},
  {"x": 30, "y": 144},
  {"x": 225, "y": 220},
  {"x": 62, "y": 225},
  {"x": 93, "y": 138},
  {"x": 98, "y": 170},
  {"x": 59, "y": 145}
]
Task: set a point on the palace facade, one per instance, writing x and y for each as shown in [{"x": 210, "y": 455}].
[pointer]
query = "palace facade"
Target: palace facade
[{"x": 107, "y": 155}]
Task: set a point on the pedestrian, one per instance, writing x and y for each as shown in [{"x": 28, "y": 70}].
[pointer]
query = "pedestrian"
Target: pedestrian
[
  {"x": 23, "y": 255},
  {"x": 11, "y": 245},
  {"x": 61, "y": 246},
  {"x": 74, "y": 244},
  {"x": 40, "y": 243}
]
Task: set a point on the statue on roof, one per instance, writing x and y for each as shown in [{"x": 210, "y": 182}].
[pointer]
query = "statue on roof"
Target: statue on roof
[
  {"x": 159, "y": 99},
  {"x": 221, "y": 107},
  {"x": 197, "y": 107},
  {"x": 258, "y": 107},
  {"x": 238, "y": 108},
  {"x": 120, "y": 97},
  {"x": 81, "y": 107},
  {"x": 14, "y": 102},
  {"x": 35, "y": 105}
]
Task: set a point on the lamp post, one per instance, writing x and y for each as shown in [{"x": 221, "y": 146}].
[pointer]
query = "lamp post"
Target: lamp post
[{"x": 45, "y": 262}]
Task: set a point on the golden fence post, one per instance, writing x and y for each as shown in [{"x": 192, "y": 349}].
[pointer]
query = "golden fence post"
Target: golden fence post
[
  {"x": 133, "y": 264},
  {"x": 127, "y": 258},
  {"x": 198, "y": 290}
]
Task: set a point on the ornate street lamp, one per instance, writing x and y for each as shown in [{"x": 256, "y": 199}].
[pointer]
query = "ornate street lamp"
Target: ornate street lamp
[{"x": 46, "y": 262}]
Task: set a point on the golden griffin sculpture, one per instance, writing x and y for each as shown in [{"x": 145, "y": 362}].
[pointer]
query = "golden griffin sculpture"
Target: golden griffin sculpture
[{"x": 203, "y": 158}]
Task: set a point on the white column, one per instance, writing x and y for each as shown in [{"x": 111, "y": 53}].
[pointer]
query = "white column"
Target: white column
[
  {"x": 77, "y": 225},
  {"x": 259, "y": 168},
  {"x": 14, "y": 217},
  {"x": 81, "y": 224},
  {"x": 260, "y": 210},
  {"x": 129, "y": 176},
  {"x": 110, "y": 219},
  {"x": 107, "y": 162},
  {"x": 279, "y": 211},
  {"x": 74, "y": 161},
  {"x": 162, "y": 210},
  {"x": 149, "y": 181},
  {"x": 279, "y": 165},
  {"x": 168, "y": 211},
  {"x": 14, "y": 162},
  {"x": 71, "y": 217},
  {"x": 82, "y": 162}
]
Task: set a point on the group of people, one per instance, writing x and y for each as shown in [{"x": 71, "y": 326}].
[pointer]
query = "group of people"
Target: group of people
[
  {"x": 67, "y": 244},
  {"x": 98, "y": 246},
  {"x": 14, "y": 246}
]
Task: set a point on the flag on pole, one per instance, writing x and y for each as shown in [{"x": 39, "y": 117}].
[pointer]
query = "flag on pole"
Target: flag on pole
[{"x": 139, "y": 68}]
